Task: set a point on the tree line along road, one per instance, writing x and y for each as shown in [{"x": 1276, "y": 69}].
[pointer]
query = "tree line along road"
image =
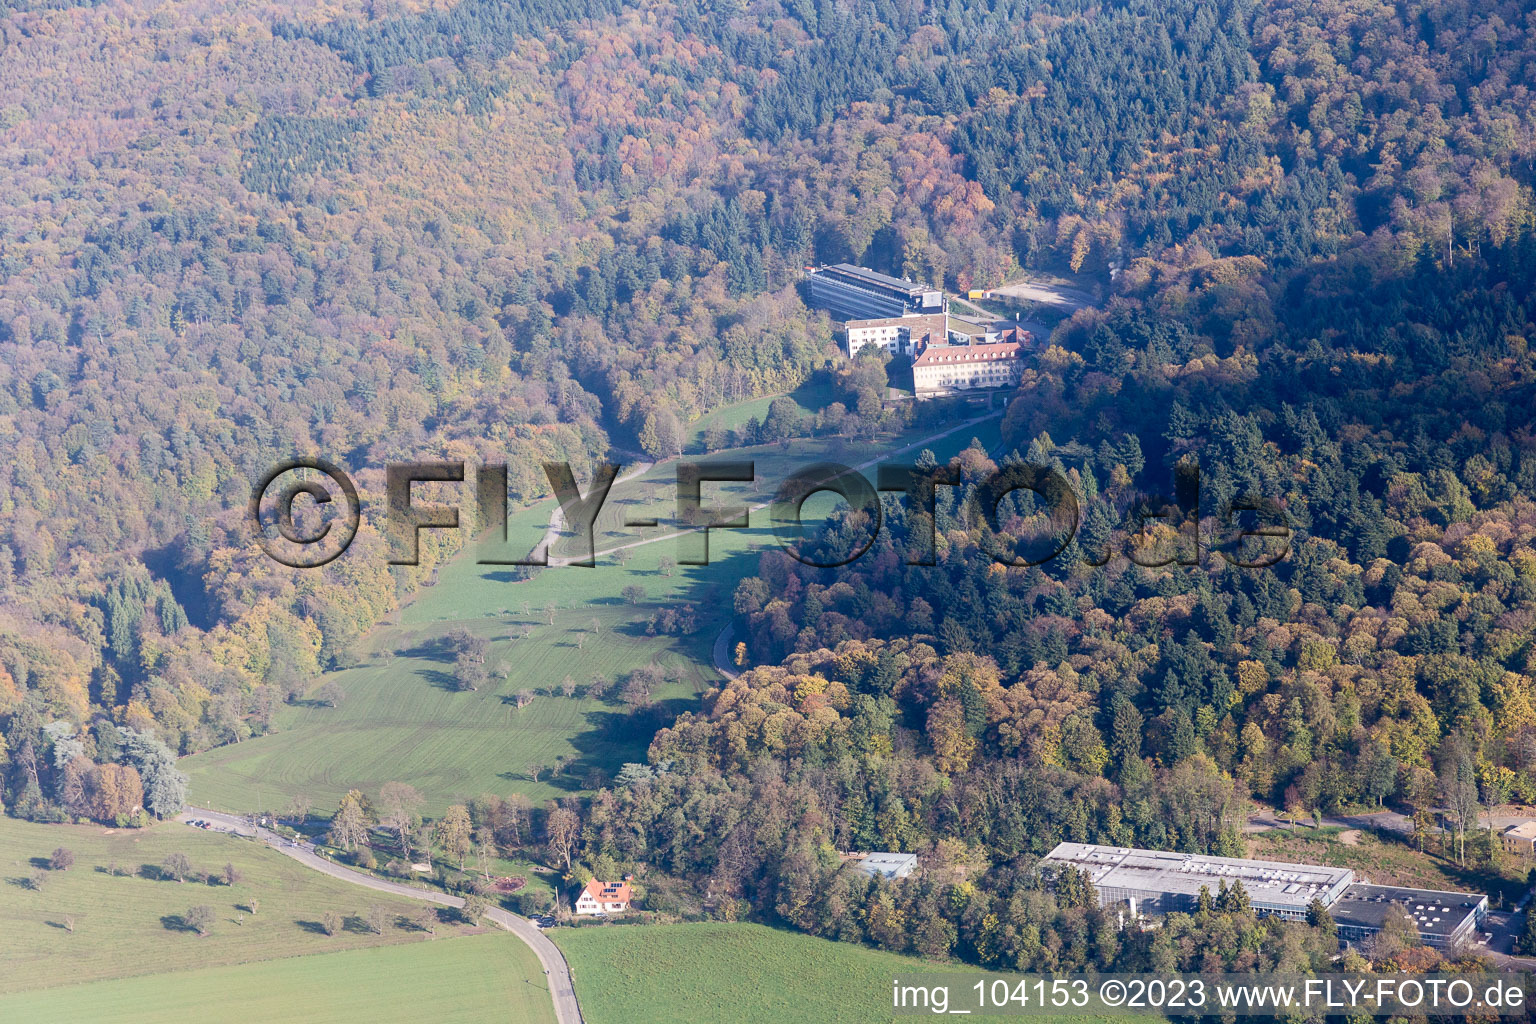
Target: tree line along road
[{"x": 561, "y": 989}]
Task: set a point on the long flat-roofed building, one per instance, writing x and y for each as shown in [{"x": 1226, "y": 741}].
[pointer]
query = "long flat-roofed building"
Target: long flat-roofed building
[
  {"x": 854, "y": 293},
  {"x": 1442, "y": 919},
  {"x": 1159, "y": 882}
]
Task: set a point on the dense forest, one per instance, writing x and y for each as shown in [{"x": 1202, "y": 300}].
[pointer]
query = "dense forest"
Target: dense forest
[{"x": 389, "y": 230}]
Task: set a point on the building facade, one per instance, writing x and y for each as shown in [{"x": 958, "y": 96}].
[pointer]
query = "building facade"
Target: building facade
[
  {"x": 854, "y": 293},
  {"x": 940, "y": 369},
  {"x": 1520, "y": 839},
  {"x": 907, "y": 335}
]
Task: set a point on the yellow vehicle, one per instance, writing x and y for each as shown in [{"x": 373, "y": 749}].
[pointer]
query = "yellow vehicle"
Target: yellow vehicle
[{"x": 976, "y": 293}]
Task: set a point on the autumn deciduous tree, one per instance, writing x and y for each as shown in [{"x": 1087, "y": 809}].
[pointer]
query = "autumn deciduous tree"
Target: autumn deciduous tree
[
  {"x": 349, "y": 825},
  {"x": 455, "y": 833},
  {"x": 177, "y": 865},
  {"x": 199, "y": 918},
  {"x": 399, "y": 809},
  {"x": 112, "y": 792},
  {"x": 562, "y": 829}
]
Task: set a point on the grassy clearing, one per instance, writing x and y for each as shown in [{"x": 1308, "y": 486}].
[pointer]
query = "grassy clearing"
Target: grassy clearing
[
  {"x": 471, "y": 980},
  {"x": 1388, "y": 860},
  {"x": 740, "y": 974},
  {"x": 401, "y": 718},
  {"x": 128, "y": 924},
  {"x": 811, "y": 397}
]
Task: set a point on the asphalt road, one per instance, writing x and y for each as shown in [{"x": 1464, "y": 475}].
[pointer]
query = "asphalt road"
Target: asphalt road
[
  {"x": 561, "y": 989},
  {"x": 722, "y": 652}
]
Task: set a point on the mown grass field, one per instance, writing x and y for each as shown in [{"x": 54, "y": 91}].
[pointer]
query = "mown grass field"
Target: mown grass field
[
  {"x": 127, "y": 924},
  {"x": 475, "y": 979},
  {"x": 401, "y": 718},
  {"x": 743, "y": 974},
  {"x": 810, "y": 397}
]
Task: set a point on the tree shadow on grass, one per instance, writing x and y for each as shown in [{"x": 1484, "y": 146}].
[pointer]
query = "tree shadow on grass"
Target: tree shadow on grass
[
  {"x": 439, "y": 679},
  {"x": 436, "y": 648},
  {"x": 313, "y": 927},
  {"x": 175, "y": 923}
]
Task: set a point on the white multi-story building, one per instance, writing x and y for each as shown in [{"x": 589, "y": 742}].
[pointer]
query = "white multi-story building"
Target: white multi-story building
[{"x": 907, "y": 335}]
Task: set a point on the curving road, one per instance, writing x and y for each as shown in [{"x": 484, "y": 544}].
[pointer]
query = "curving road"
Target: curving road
[
  {"x": 561, "y": 989},
  {"x": 722, "y": 652}
]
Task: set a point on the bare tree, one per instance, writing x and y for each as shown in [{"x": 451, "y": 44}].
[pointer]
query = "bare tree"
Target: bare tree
[
  {"x": 426, "y": 920},
  {"x": 232, "y": 874},
  {"x": 377, "y": 919},
  {"x": 1458, "y": 787},
  {"x": 298, "y": 810},
  {"x": 400, "y": 803},
  {"x": 563, "y": 828},
  {"x": 62, "y": 860},
  {"x": 330, "y": 922}
]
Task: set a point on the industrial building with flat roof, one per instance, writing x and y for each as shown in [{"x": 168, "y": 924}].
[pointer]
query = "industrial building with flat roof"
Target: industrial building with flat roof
[
  {"x": 1160, "y": 882},
  {"x": 1156, "y": 881},
  {"x": 1442, "y": 919},
  {"x": 854, "y": 293}
]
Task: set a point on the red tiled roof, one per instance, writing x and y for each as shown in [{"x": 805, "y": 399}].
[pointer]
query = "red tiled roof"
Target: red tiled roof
[
  {"x": 607, "y": 892},
  {"x": 965, "y": 355}
]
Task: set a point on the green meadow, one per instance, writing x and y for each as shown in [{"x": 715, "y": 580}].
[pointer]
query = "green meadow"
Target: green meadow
[
  {"x": 89, "y": 922},
  {"x": 476, "y": 979},
  {"x": 721, "y": 973},
  {"x": 402, "y": 719}
]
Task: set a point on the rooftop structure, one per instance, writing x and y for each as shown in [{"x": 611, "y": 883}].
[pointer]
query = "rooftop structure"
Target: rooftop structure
[
  {"x": 1520, "y": 838},
  {"x": 1442, "y": 919},
  {"x": 887, "y": 865},
  {"x": 909, "y": 334},
  {"x": 1161, "y": 882},
  {"x": 857, "y": 292}
]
